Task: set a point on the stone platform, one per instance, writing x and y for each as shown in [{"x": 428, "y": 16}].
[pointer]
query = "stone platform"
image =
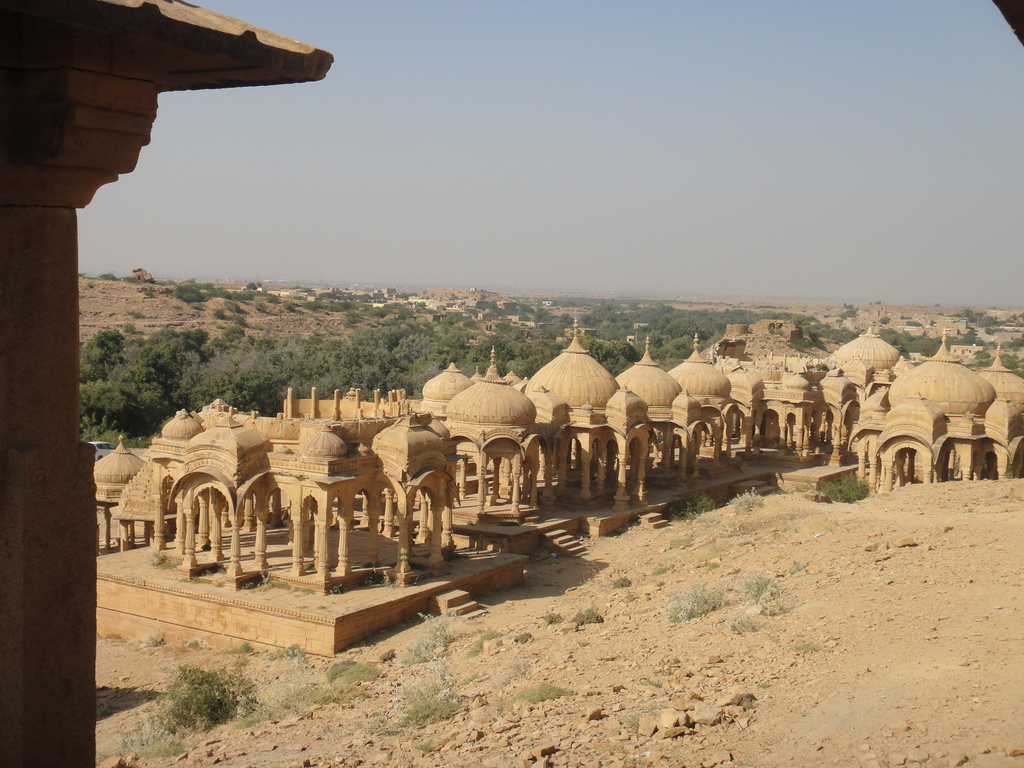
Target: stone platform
[{"x": 136, "y": 600}]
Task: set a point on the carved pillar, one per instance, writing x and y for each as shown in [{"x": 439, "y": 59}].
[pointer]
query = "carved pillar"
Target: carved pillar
[
  {"x": 548, "y": 496},
  {"x": 203, "y": 534},
  {"x": 373, "y": 541},
  {"x": 481, "y": 482},
  {"x": 585, "y": 494},
  {"x": 517, "y": 468},
  {"x": 260, "y": 548},
  {"x": 159, "y": 522},
  {"x": 344, "y": 538},
  {"x": 404, "y": 543},
  {"x": 234, "y": 569},
  {"x": 460, "y": 474},
  {"x": 298, "y": 526},
  {"x": 389, "y": 513},
  {"x": 179, "y": 526},
  {"x": 447, "y": 539},
  {"x": 189, "y": 560},
  {"x": 250, "y": 516},
  {"x": 216, "y": 518},
  {"x": 322, "y": 555},
  {"x": 641, "y": 471},
  {"x": 621, "y": 494},
  {"x": 106, "y": 529},
  {"x": 436, "y": 559}
]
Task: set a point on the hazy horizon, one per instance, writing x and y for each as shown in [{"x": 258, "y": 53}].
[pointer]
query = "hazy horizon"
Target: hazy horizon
[{"x": 792, "y": 151}]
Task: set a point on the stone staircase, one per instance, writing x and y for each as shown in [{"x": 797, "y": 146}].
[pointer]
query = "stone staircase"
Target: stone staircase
[
  {"x": 760, "y": 487},
  {"x": 653, "y": 520},
  {"x": 457, "y": 602},
  {"x": 564, "y": 543},
  {"x": 141, "y": 498}
]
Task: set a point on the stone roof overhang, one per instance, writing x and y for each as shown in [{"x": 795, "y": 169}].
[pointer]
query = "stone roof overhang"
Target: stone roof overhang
[{"x": 184, "y": 47}]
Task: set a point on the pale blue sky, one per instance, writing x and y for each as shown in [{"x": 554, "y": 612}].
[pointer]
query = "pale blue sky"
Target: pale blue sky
[{"x": 853, "y": 149}]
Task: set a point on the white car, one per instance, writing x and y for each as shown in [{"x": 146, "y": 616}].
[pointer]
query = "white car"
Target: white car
[{"x": 102, "y": 449}]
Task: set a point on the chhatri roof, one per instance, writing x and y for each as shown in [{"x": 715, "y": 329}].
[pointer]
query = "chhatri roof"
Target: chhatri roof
[
  {"x": 869, "y": 347},
  {"x": 699, "y": 377},
  {"x": 944, "y": 381},
  {"x": 446, "y": 385},
  {"x": 117, "y": 467},
  {"x": 649, "y": 381},
  {"x": 181, "y": 427},
  {"x": 492, "y": 401},
  {"x": 576, "y": 377},
  {"x": 1008, "y": 385}
]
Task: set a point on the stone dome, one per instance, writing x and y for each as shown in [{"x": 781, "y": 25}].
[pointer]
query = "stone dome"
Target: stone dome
[
  {"x": 1008, "y": 385},
  {"x": 699, "y": 377},
  {"x": 744, "y": 381},
  {"x": 226, "y": 434},
  {"x": 446, "y": 385},
  {"x": 512, "y": 379},
  {"x": 869, "y": 347},
  {"x": 647, "y": 380},
  {"x": 492, "y": 402},
  {"x": 576, "y": 377},
  {"x": 181, "y": 427},
  {"x": 944, "y": 381},
  {"x": 117, "y": 467},
  {"x": 796, "y": 381},
  {"x": 324, "y": 444}
]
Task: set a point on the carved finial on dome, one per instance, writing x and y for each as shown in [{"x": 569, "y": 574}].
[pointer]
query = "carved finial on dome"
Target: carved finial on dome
[
  {"x": 696, "y": 343},
  {"x": 576, "y": 326},
  {"x": 647, "y": 345},
  {"x": 492, "y": 356},
  {"x": 997, "y": 360}
]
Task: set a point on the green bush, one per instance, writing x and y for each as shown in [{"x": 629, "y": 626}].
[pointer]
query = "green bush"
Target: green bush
[
  {"x": 690, "y": 604},
  {"x": 543, "y": 692},
  {"x": 847, "y": 489},
  {"x": 747, "y": 502},
  {"x": 589, "y": 616},
  {"x": 202, "y": 698},
  {"x": 689, "y": 509},
  {"x": 432, "y": 697},
  {"x": 435, "y": 635},
  {"x": 353, "y": 673},
  {"x": 478, "y": 645}
]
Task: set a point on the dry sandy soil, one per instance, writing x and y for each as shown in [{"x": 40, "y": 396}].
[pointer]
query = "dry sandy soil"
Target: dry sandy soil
[{"x": 898, "y": 641}]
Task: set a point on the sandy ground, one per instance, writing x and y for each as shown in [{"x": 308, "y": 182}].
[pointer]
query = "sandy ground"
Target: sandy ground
[{"x": 899, "y": 642}]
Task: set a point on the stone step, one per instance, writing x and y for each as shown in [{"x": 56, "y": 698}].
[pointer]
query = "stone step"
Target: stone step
[
  {"x": 531, "y": 520},
  {"x": 653, "y": 520},
  {"x": 448, "y": 602},
  {"x": 565, "y": 542},
  {"x": 481, "y": 610}
]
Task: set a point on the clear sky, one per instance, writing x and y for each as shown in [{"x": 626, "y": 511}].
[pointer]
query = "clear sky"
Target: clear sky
[{"x": 850, "y": 149}]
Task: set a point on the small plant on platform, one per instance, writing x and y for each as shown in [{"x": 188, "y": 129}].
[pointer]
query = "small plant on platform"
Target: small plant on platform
[
  {"x": 690, "y": 604},
  {"x": 156, "y": 558},
  {"x": 847, "y": 489},
  {"x": 748, "y": 502},
  {"x": 435, "y": 634}
]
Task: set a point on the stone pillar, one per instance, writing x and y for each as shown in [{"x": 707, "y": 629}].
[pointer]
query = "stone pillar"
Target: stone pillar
[
  {"x": 179, "y": 526},
  {"x": 436, "y": 559},
  {"x": 548, "y": 496},
  {"x": 235, "y": 567},
  {"x": 621, "y": 494},
  {"x": 250, "y": 517},
  {"x": 460, "y": 474},
  {"x": 373, "y": 542},
  {"x": 481, "y": 483},
  {"x": 260, "y": 548},
  {"x": 344, "y": 563},
  {"x": 641, "y": 471},
  {"x": 517, "y": 469},
  {"x": 447, "y": 539},
  {"x": 862, "y": 470},
  {"x": 585, "y": 493},
  {"x": 389, "y": 514},
  {"x": 189, "y": 562},
  {"x": 216, "y": 519},
  {"x": 203, "y": 529},
  {"x": 106, "y": 530},
  {"x": 404, "y": 545},
  {"x": 298, "y": 561},
  {"x": 322, "y": 556}
]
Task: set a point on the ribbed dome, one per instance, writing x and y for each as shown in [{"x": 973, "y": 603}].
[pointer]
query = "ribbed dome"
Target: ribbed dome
[
  {"x": 181, "y": 427},
  {"x": 324, "y": 444},
  {"x": 512, "y": 379},
  {"x": 576, "y": 377},
  {"x": 699, "y": 377},
  {"x": 944, "y": 381},
  {"x": 1008, "y": 385},
  {"x": 649, "y": 381},
  {"x": 226, "y": 434},
  {"x": 446, "y": 385},
  {"x": 117, "y": 467},
  {"x": 869, "y": 347},
  {"x": 743, "y": 379},
  {"x": 492, "y": 402},
  {"x": 796, "y": 381}
]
